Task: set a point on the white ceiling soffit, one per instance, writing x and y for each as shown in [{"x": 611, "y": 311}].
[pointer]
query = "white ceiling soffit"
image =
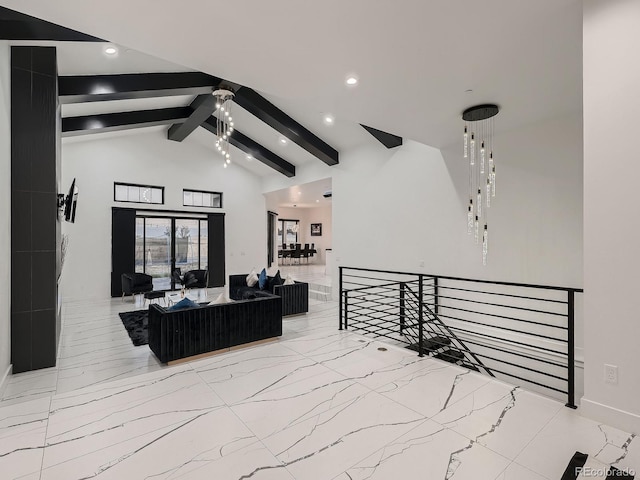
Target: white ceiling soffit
[
  {"x": 307, "y": 195},
  {"x": 415, "y": 58}
]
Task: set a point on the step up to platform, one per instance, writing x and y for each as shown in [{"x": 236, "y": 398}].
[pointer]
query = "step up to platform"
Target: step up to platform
[
  {"x": 451, "y": 356},
  {"x": 320, "y": 292},
  {"x": 431, "y": 344},
  {"x": 469, "y": 366}
]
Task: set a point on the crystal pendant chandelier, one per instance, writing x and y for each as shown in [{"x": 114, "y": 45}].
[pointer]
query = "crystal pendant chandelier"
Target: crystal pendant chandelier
[
  {"x": 224, "y": 123},
  {"x": 478, "y": 151}
]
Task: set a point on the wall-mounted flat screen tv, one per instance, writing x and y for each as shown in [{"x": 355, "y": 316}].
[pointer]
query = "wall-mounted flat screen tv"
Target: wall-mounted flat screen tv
[{"x": 71, "y": 202}]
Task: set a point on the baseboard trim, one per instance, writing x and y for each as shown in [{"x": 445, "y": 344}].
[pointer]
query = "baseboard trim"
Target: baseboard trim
[
  {"x": 3, "y": 382},
  {"x": 626, "y": 421}
]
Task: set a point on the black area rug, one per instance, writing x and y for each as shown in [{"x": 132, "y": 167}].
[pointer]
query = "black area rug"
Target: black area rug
[{"x": 137, "y": 324}]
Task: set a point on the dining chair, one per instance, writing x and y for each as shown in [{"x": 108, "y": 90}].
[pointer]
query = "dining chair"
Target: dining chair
[
  {"x": 305, "y": 252},
  {"x": 297, "y": 253}
]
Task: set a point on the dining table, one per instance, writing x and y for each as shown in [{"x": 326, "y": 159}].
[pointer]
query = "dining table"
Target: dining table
[{"x": 304, "y": 253}]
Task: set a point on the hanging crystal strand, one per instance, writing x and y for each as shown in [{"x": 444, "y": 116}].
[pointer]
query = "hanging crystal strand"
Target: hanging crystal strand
[
  {"x": 465, "y": 140},
  {"x": 488, "y": 193},
  {"x": 493, "y": 181},
  {"x": 482, "y": 158},
  {"x": 485, "y": 245},
  {"x": 477, "y": 228},
  {"x": 490, "y": 162},
  {"x": 472, "y": 148},
  {"x": 470, "y": 218},
  {"x": 479, "y": 204}
]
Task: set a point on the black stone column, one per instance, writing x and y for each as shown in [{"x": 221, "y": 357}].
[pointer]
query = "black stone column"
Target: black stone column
[{"x": 35, "y": 227}]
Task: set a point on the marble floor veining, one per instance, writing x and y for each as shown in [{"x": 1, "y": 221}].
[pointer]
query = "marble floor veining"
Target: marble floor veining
[{"x": 319, "y": 403}]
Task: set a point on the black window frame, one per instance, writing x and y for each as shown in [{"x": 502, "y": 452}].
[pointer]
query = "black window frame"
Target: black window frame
[
  {"x": 124, "y": 184},
  {"x": 192, "y": 190}
]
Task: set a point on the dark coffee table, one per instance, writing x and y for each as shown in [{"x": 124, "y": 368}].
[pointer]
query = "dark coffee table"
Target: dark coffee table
[{"x": 154, "y": 296}]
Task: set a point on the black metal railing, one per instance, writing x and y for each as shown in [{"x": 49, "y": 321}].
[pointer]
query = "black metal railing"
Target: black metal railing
[{"x": 520, "y": 332}]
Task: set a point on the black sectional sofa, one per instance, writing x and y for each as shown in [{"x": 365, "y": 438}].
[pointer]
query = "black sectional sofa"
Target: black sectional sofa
[
  {"x": 193, "y": 331},
  {"x": 295, "y": 298}
]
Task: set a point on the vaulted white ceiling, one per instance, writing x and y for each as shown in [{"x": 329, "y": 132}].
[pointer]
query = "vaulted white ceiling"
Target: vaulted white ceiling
[{"x": 416, "y": 59}]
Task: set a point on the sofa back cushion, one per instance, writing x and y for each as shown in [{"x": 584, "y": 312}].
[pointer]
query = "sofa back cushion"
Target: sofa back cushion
[{"x": 273, "y": 281}]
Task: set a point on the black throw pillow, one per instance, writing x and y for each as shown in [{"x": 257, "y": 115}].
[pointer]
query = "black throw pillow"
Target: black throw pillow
[{"x": 273, "y": 281}]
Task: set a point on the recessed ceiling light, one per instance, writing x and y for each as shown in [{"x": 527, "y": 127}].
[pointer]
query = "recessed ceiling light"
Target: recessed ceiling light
[
  {"x": 317, "y": 201},
  {"x": 249, "y": 158},
  {"x": 111, "y": 50},
  {"x": 352, "y": 80},
  {"x": 328, "y": 119},
  {"x": 283, "y": 140}
]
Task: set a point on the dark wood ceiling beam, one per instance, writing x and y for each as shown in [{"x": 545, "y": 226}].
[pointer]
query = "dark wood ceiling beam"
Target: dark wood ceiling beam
[
  {"x": 110, "y": 122},
  {"x": 19, "y": 26},
  {"x": 389, "y": 140},
  {"x": 96, "y": 88},
  {"x": 203, "y": 107},
  {"x": 254, "y": 149},
  {"x": 266, "y": 111}
]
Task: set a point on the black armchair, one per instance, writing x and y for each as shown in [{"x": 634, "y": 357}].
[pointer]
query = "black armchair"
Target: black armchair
[
  {"x": 136, "y": 283},
  {"x": 176, "y": 276},
  {"x": 196, "y": 279}
]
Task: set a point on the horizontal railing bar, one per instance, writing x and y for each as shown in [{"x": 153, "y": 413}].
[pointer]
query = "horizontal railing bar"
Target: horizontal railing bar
[
  {"x": 370, "y": 312},
  {"x": 507, "y": 363},
  {"x": 512, "y": 284},
  {"x": 345, "y": 276},
  {"x": 369, "y": 325},
  {"x": 362, "y": 290},
  {"x": 541, "y": 360},
  {"x": 528, "y": 381},
  {"x": 514, "y": 342},
  {"x": 384, "y": 285},
  {"x": 502, "y": 305},
  {"x": 524, "y": 332},
  {"x": 495, "y": 315},
  {"x": 502, "y": 294},
  {"x": 379, "y": 328}
]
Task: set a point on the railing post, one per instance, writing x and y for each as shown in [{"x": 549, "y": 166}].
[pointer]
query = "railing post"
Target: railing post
[
  {"x": 346, "y": 309},
  {"x": 402, "y": 306},
  {"x": 436, "y": 300},
  {"x": 420, "y": 320},
  {"x": 571, "y": 361},
  {"x": 340, "y": 295}
]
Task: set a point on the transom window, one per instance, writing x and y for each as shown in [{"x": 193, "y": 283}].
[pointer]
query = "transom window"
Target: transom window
[
  {"x": 133, "y": 193},
  {"x": 200, "y": 198}
]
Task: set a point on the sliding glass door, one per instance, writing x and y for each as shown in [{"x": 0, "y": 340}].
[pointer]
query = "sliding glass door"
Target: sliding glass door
[
  {"x": 166, "y": 243},
  {"x": 287, "y": 233}
]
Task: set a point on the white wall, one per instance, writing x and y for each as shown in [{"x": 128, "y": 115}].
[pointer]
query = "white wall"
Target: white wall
[
  {"x": 307, "y": 216},
  {"x": 147, "y": 157},
  {"x": 5, "y": 210},
  {"x": 611, "y": 229},
  {"x": 397, "y": 208}
]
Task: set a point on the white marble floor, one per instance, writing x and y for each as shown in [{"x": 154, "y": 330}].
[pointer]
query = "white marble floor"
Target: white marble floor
[{"x": 317, "y": 404}]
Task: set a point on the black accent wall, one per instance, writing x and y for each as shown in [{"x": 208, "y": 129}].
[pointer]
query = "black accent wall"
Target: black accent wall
[
  {"x": 217, "y": 275},
  {"x": 35, "y": 227},
  {"x": 123, "y": 246}
]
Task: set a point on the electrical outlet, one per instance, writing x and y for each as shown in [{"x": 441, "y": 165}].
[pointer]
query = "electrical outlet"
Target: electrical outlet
[{"x": 611, "y": 374}]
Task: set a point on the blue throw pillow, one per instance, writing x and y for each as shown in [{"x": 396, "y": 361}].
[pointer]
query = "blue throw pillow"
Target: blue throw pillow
[
  {"x": 182, "y": 304},
  {"x": 262, "y": 279}
]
